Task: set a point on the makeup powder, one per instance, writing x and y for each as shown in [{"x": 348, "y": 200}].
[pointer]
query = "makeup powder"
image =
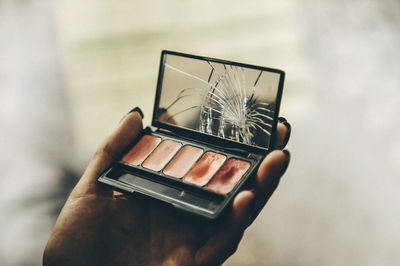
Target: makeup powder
[
  {"x": 162, "y": 154},
  {"x": 183, "y": 161},
  {"x": 141, "y": 150},
  {"x": 205, "y": 168},
  {"x": 228, "y": 176}
]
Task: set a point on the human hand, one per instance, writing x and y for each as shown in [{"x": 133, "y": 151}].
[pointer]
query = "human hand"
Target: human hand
[{"x": 99, "y": 226}]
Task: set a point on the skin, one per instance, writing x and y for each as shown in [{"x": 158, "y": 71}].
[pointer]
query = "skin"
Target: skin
[{"x": 98, "y": 226}]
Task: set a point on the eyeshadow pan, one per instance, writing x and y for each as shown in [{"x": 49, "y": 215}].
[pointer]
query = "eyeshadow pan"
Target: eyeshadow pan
[
  {"x": 162, "y": 154},
  {"x": 228, "y": 176},
  {"x": 141, "y": 150},
  {"x": 205, "y": 168},
  {"x": 183, "y": 161}
]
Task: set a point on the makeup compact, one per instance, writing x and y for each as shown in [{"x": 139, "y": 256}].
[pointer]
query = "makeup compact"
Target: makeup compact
[{"x": 213, "y": 123}]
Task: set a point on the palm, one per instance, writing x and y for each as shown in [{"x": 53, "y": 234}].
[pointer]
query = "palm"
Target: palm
[{"x": 161, "y": 234}]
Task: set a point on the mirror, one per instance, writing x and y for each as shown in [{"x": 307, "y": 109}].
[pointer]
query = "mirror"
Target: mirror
[{"x": 220, "y": 98}]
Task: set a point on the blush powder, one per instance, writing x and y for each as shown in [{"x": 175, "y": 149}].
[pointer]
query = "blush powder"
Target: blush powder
[
  {"x": 228, "y": 176},
  {"x": 162, "y": 154},
  {"x": 183, "y": 161},
  {"x": 141, "y": 150},
  {"x": 205, "y": 168}
]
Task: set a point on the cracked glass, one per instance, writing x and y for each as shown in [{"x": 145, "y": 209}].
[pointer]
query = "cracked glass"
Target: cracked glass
[{"x": 219, "y": 98}]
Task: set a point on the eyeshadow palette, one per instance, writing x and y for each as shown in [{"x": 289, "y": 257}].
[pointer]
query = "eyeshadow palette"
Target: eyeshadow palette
[{"x": 213, "y": 123}]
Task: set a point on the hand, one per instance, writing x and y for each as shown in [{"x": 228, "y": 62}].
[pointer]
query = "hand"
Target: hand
[{"x": 98, "y": 226}]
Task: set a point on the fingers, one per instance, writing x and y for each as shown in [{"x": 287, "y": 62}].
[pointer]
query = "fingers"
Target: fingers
[
  {"x": 248, "y": 204},
  {"x": 109, "y": 151},
  {"x": 225, "y": 241},
  {"x": 283, "y": 131},
  {"x": 267, "y": 179}
]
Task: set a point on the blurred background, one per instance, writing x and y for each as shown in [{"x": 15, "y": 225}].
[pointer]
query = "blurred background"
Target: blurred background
[{"x": 69, "y": 70}]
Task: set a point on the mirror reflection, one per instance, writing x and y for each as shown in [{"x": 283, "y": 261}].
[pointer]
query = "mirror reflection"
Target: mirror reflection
[{"x": 220, "y": 99}]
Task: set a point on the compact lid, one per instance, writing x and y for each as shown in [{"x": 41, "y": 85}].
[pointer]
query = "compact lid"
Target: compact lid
[{"x": 227, "y": 103}]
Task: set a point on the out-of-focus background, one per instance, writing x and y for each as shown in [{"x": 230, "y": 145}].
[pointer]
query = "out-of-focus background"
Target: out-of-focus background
[{"x": 69, "y": 70}]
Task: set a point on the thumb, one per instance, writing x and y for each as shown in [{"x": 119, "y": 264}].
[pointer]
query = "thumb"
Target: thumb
[{"x": 109, "y": 151}]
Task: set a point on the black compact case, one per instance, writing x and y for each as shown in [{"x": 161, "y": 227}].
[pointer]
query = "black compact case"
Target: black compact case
[{"x": 213, "y": 123}]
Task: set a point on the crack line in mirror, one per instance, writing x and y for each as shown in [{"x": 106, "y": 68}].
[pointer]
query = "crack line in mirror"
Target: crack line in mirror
[{"x": 227, "y": 110}]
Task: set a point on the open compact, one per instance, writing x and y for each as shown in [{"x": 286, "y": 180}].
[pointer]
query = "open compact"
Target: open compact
[{"x": 212, "y": 125}]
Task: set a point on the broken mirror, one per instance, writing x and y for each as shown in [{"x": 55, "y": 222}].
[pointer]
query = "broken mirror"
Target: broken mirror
[{"x": 225, "y": 99}]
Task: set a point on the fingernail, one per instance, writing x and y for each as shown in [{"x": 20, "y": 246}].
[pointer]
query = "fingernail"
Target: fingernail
[
  {"x": 289, "y": 130},
  {"x": 282, "y": 119},
  {"x": 137, "y": 109},
  {"x": 286, "y": 163}
]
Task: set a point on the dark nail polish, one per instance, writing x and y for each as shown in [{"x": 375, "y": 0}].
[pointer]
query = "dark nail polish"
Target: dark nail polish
[
  {"x": 137, "y": 109},
  {"x": 287, "y": 153},
  {"x": 286, "y": 163},
  {"x": 289, "y": 128},
  {"x": 282, "y": 119}
]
